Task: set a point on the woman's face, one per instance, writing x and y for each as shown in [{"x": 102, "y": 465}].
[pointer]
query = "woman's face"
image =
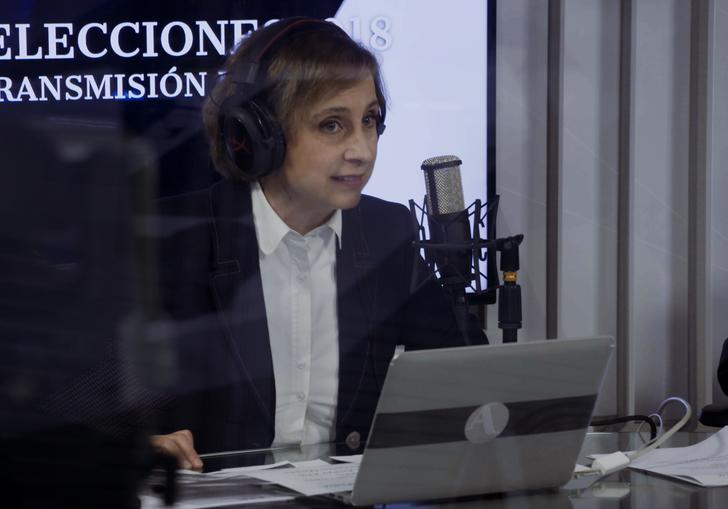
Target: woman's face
[{"x": 330, "y": 154}]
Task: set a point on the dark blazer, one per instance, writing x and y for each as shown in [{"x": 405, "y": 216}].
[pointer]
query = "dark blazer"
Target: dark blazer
[{"x": 211, "y": 290}]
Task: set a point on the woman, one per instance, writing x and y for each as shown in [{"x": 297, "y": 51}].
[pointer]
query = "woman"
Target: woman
[{"x": 290, "y": 289}]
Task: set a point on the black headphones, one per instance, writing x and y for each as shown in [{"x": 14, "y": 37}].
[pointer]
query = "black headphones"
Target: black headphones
[{"x": 252, "y": 137}]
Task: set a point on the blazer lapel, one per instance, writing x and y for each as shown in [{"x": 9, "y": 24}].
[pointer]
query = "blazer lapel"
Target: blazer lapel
[
  {"x": 356, "y": 290},
  {"x": 238, "y": 290}
]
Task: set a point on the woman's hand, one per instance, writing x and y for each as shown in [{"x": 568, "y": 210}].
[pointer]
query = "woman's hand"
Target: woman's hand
[{"x": 181, "y": 445}]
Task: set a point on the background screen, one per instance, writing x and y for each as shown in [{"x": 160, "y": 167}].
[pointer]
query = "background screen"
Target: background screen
[
  {"x": 143, "y": 67},
  {"x": 434, "y": 60},
  {"x": 86, "y": 70}
]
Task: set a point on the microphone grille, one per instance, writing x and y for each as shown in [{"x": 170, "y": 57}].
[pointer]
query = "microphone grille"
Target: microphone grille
[
  {"x": 437, "y": 162},
  {"x": 443, "y": 184}
]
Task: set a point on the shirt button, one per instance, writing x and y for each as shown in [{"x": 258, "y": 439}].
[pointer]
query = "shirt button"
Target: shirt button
[
  {"x": 301, "y": 277},
  {"x": 300, "y": 396},
  {"x": 301, "y": 365},
  {"x": 353, "y": 440}
]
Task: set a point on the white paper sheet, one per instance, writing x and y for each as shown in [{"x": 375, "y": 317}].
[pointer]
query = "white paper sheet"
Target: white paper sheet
[
  {"x": 352, "y": 458},
  {"x": 704, "y": 464},
  {"x": 153, "y": 502},
  {"x": 313, "y": 479}
]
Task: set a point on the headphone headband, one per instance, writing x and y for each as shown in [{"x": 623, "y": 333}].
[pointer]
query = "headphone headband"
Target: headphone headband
[
  {"x": 287, "y": 26},
  {"x": 262, "y": 47}
]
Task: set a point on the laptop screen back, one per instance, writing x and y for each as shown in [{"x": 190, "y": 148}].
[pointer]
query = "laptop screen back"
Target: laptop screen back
[{"x": 481, "y": 419}]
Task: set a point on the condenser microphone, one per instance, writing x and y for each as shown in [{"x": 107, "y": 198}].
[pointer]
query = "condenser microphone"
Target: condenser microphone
[
  {"x": 453, "y": 251},
  {"x": 448, "y": 221}
]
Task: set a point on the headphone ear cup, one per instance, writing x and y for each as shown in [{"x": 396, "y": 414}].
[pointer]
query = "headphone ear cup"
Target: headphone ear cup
[
  {"x": 274, "y": 140},
  {"x": 253, "y": 139}
]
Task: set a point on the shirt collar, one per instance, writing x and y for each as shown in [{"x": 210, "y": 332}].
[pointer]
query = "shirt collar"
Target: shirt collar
[{"x": 270, "y": 228}]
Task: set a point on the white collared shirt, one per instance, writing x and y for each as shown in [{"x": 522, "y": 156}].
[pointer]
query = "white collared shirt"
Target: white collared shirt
[{"x": 299, "y": 288}]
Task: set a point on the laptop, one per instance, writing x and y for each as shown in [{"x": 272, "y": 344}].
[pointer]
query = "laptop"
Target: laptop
[{"x": 481, "y": 419}]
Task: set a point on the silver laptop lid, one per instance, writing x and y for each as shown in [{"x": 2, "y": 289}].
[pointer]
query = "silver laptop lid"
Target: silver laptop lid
[{"x": 481, "y": 419}]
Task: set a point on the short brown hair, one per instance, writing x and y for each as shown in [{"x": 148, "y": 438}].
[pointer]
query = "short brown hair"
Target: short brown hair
[{"x": 302, "y": 68}]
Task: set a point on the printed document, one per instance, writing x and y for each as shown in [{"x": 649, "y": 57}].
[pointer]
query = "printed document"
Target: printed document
[
  {"x": 704, "y": 464},
  {"x": 316, "y": 478}
]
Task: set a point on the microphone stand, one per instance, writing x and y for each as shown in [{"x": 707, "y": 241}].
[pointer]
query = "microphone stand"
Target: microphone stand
[{"x": 509, "y": 293}]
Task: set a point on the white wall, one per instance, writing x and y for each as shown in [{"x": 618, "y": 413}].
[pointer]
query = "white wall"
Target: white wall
[
  {"x": 589, "y": 178},
  {"x": 521, "y": 150},
  {"x": 659, "y": 242}
]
